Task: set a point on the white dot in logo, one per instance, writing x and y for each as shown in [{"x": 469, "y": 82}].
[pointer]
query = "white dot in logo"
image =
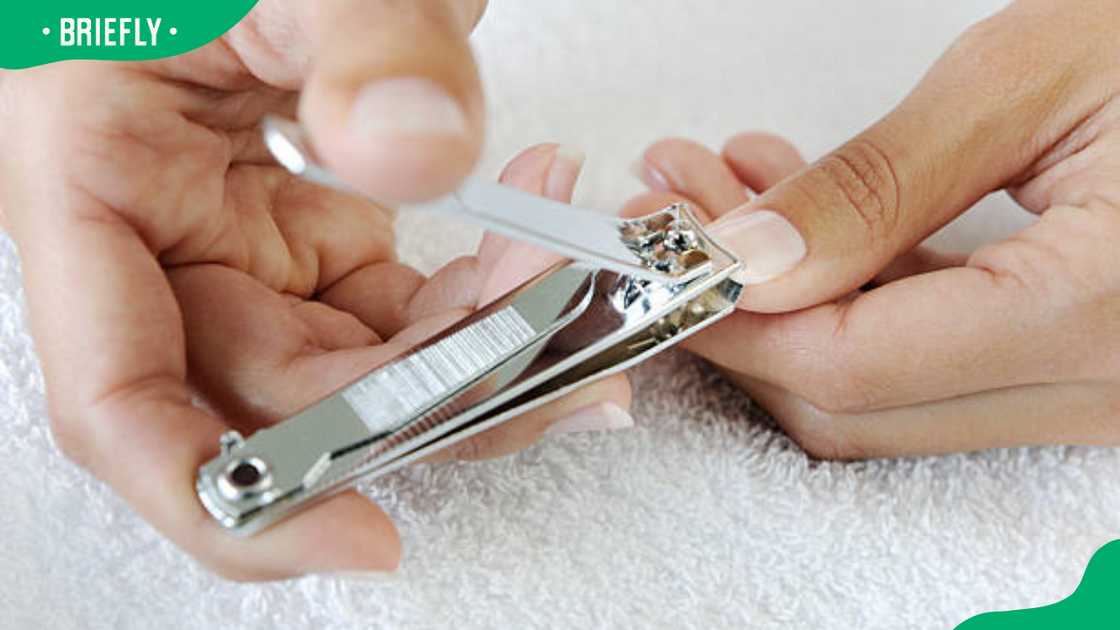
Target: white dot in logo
[
  {"x": 46, "y": 30},
  {"x": 174, "y": 31}
]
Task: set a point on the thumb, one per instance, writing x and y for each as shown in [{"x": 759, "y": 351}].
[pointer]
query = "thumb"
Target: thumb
[
  {"x": 829, "y": 229},
  {"x": 393, "y": 101}
]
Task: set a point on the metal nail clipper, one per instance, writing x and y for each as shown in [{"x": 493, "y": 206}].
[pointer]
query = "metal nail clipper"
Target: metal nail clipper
[{"x": 633, "y": 288}]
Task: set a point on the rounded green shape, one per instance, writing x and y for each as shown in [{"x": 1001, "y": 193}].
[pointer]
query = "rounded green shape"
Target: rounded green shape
[
  {"x": 35, "y": 33},
  {"x": 1093, "y": 605}
]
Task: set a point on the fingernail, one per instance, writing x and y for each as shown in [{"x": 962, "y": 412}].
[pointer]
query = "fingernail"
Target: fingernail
[
  {"x": 650, "y": 176},
  {"x": 407, "y": 106},
  {"x": 360, "y": 576},
  {"x": 764, "y": 240},
  {"x": 562, "y": 175},
  {"x": 597, "y": 417}
]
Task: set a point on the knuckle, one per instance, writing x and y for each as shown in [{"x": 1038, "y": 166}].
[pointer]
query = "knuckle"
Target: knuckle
[
  {"x": 1065, "y": 259},
  {"x": 1025, "y": 266},
  {"x": 862, "y": 175},
  {"x": 1061, "y": 273}
]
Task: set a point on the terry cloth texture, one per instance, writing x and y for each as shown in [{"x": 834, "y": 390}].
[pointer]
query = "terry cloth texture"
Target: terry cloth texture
[{"x": 705, "y": 515}]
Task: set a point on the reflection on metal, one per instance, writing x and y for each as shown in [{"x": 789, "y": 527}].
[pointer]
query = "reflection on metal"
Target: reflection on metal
[{"x": 572, "y": 324}]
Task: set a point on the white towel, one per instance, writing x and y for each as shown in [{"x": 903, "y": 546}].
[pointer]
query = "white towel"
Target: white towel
[{"x": 705, "y": 515}]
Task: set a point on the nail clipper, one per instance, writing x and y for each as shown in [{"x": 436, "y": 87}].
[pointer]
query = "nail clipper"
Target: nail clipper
[{"x": 633, "y": 288}]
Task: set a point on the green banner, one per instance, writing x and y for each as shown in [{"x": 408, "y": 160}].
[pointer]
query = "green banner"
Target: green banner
[
  {"x": 34, "y": 33},
  {"x": 1094, "y": 604}
]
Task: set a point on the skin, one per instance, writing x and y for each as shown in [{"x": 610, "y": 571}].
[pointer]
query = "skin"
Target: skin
[
  {"x": 1016, "y": 343},
  {"x": 179, "y": 283}
]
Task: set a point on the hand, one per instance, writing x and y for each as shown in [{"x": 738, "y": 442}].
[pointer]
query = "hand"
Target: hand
[
  {"x": 179, "y": 283},
  {"x": 1016, "y": 344}
]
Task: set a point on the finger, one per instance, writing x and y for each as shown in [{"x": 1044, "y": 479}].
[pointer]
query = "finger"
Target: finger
[
  {"x": 831, "y": 228},
  {"x": 123, "y": 410},
  {"x": 246, "y": 345},
  {"x": 692, "y": 170},
  {"x": 293, "y": 235},
  {"x": 257, "y": 357},
  {"x": 167, "y": 439},
  {"x": 1007, "y": 418},
  {"x": 388, "y": 297},
  {"x": 401, "y": 118},
  {"x": 650, "y": 202},
  {"x": 549, "y": 171},
  {"x": 761, "y": 160},
  {"x": 918, "y": 261},
  {"x": 1024, "y": 311},
  {"x": 378, "y": 294},
  {"x": 599, "y": 406}
]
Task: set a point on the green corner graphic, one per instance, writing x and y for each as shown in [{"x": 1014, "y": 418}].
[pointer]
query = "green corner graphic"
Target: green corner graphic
[
  {"x": 35, "y": 33},
  {"x": 1095, "y": 603}
]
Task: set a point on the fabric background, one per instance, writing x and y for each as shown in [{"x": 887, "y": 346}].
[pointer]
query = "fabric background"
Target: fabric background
[{"x": 704, "y": 516}]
